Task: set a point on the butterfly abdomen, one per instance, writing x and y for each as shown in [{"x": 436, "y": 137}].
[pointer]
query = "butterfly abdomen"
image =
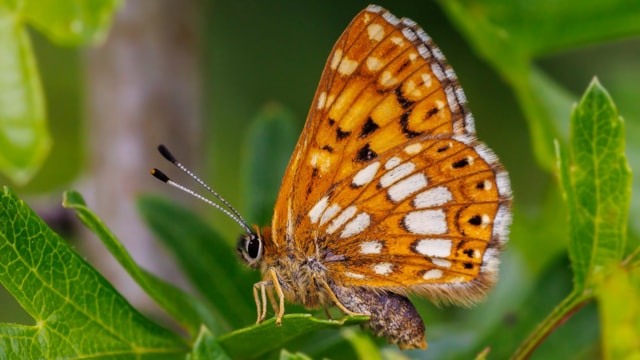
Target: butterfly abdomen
[{"x": 391, "y": 315}]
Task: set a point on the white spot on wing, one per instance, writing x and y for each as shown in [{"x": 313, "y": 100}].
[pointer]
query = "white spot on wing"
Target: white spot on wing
[
  {"x": 375, "y": 32},
  {"x": 441, "y": 262},
  {"x": 373, "y": 63},
  {"x": 321, "y": 161},
  {"x": 391, "y": 163},
  {"x": 322, "y": 99},
  {"x": 426, "y": 79},
  {"x": 411, "y": 89},
  {"x": 397, "y": 40},
  {"x": 344, "y": 216},
  {"x": 347, "y": 66},
  {"x": 397, "y": 173},
  {"x": 356, "y": 226},
  {"x": 335, "y": 60},
  {"x": 434, "y": 247},
  {"x": 383, "y": 268},
  {"x": 426, "y": 222},
  {"x": 330, "y": 213},
  {"x": 432, "y": 274},
  {"x": 365, "y": 175},
  {"x": 370, "y": 247},
  {"x": 433, "y": 197},
  {"x": 486, "y": 221},
  {"x": 354, "y": 275},
  {"x": 402, "y": 189},
  {"x": 386, "y": 79},
  {"x": 318, "y": 209},
  {"x": 413, "y": 148}
]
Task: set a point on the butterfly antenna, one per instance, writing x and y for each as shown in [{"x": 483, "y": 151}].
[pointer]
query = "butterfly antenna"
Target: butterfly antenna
[{"x": 230, "y": 211}]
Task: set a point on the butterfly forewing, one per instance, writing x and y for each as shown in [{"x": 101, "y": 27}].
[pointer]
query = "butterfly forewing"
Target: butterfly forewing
[{"x": 387, "y": 182}]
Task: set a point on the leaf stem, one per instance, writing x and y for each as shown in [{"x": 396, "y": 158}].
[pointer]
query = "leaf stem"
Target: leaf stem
[{"x": 561, "y": 313}]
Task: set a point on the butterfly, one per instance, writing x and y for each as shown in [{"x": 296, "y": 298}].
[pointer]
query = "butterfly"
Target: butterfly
[{"x": 387, "y": 193}]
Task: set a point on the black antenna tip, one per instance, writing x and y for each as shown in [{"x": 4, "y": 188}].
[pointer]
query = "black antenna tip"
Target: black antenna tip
[
  {"x": 160, "y": 175},
  {"x": 166, "y": 153}
]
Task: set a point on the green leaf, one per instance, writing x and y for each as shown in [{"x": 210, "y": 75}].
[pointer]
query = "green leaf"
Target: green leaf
[
  {"x": 77, "y": 312},
  {"x": 596, "y": 181},
  {"x": 510, "y": 35},
  {"x": 208, "y": 260},
  {"x": 514, "y": 27},
  {"x": 206, "y": 347},
  {"x": 362, "y": 344},
  {"x": 184, "y": 308},
  {"x": 518, "y": 318},
  {"x": 270, "y": 142},
  {"x": 285, "y": 355},
  {"x": 259, "y": 339},
  {"x": 71, "y": 22},
  {"x": 619, "y": 296},
  {"x": 24, "y": 138}
]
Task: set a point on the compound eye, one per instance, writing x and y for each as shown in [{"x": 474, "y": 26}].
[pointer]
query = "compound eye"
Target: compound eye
[
  {"x": 253, "y": 247},
  {"x": 250, "y": 247}
]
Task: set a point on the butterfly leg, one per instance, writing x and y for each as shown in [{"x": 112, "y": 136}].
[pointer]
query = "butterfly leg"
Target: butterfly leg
[
  {"x": 276, "y": 286},
  {"x": 336, "y": 301},
  {"x": 261, "y": 305},
  {"x": 272, "y": 300},
  {"x": 326, "y": 311}
]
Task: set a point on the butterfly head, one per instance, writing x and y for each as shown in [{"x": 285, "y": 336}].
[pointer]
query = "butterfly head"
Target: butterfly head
[{"x": 250, "y": 246}]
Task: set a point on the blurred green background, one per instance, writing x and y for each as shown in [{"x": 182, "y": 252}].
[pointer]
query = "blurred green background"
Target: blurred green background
[{"x": 254, "y": 53}]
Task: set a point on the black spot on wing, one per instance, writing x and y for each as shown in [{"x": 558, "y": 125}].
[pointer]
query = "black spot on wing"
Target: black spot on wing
[
  {"x": 404, "y": 124},
  {"x": 444, "y": 148},
  {"x": 327, "y": 148},
  {"x": 431, "y": 112},
  {"x": 403, "y": 101},
  {"x": 460, "y": 164},
  {"x": 369, "y": 127},
  {"x": 365, "y": 154},
  {"x": 475, "y": 220},
  {"x": 342, "y": 134}
]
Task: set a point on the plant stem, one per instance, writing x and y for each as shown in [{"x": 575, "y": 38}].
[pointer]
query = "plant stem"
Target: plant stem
[{"x": 557, "y": 317}]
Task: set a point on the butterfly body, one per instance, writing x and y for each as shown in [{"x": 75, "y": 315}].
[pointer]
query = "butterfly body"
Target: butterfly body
[
  {"x": 300, "y": 273},
  {"x": 388, "y": 192}
]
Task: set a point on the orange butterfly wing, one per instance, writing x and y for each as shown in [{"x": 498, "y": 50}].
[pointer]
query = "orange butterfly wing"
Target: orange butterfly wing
[{"x": 387, "y": 182}]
